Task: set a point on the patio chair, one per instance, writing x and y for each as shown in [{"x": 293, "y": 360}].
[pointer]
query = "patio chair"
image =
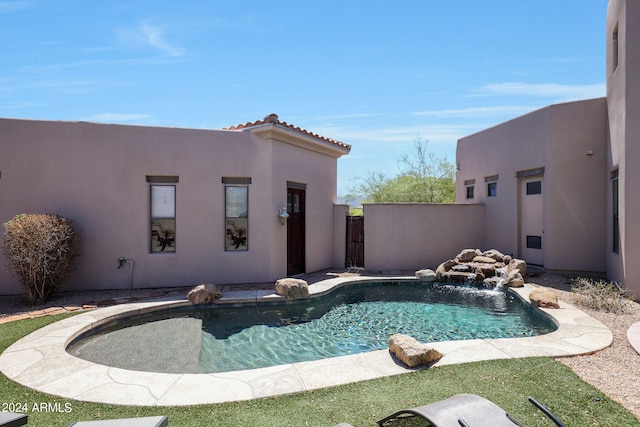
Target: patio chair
[
  {"x": 159, "y": 421},
  {"x": 11, "y": 419},
  {"x": 466, "y": 410}
]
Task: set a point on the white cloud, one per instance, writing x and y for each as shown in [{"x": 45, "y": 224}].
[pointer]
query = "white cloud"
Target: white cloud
[
  {"x": 14, "y": 6},
  {"x": 551, "y": 90},
  {"x": 476, "y": 112},
  {"x": 116, "y": 117},
  {"x": 366, "y": 135},
  {"x": 148, "y": 34}
]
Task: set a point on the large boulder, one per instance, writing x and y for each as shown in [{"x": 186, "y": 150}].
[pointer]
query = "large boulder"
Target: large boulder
[
  {"x": 204, "y": 293},
  {"x": 444, "y": 268},
  {"x": 517, "y": 264},
  {"x": 411, "y": 352},
  {"x": 544, "y": 298},
  {"x": 467, "y": 255},
  {"x": 483, "y": 259},
  {"x": 292, "y": 288},
  {"x": 426, "y": 275},
  {"x": 513, "y": 280},
  {"x": 494, "y": 254}
]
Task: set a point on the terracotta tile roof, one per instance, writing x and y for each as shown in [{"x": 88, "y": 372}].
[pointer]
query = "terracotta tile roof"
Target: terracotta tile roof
[{"x": 273, "y": 119}]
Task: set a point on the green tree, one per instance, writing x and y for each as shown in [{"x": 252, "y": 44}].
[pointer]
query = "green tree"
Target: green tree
[{"x": 423, "y": 178}]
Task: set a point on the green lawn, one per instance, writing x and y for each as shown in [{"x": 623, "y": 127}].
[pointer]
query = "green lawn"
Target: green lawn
[{"x": 506, "y": 382}]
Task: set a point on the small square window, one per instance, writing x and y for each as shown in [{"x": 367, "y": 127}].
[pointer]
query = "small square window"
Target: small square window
[
  {"x": 492, "y": 189},
  {"x": 534, "y": 187},
  {"x": 470, "y": 192},
  {"x": 534, "y": 242}
]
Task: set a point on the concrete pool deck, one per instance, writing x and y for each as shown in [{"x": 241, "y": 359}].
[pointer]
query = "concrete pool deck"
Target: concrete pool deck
[{"x": 40, "y": 361}]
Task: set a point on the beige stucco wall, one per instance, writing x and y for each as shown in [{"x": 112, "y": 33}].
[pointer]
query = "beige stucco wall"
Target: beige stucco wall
[
  {"x": 411, "y": 236},
  {"x": 623, "y": 93},
  {"x": 340, "y": 212},
  {"x": 502, "y": 150},
  {"x": 96, "y": 175},
  {"x": 556, "y": 138}
]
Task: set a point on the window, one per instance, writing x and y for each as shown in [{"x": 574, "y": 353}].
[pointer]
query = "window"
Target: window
[
  {"x": 163, "y": 213},
  {"x": 534, "y": 187},
  {"x": 236, "y": 202},
  {"x": 492, "y": 185},
  {"x": 534, "y": 242},
  {"x": 470, "y": 185},
  {"x": 470, "y": 192},
  {"x": 614, "y": 49},
  {"x": 616, "y": 206}
]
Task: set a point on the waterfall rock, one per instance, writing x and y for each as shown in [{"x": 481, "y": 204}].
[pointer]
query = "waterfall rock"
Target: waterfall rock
[
  {"x": 411, "y": 352},
  {"x": 483, "y": 259},
  {"x": 495, "y": 255},
  {"x": 426, "y": 275},
  {"x": 517, "y": 264},
  {"x": 292, "y": 288},
  {"x": 513, "y": 280},
  {"x": 490, "y": 267},
  {"x": 467, "y": 255}
]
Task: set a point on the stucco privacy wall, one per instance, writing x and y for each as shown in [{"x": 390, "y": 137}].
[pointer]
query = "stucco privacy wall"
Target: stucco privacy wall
[
  {"x": 559, "y": 139},
  {"x": 96, "y": 175},
  {"x": 414, "y": 236}
]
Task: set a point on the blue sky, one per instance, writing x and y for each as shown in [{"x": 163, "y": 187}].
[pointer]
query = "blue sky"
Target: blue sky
[{"x": 375, "y": 74}]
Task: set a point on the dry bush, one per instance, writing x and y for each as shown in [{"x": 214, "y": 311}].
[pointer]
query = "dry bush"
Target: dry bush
[
  {"x": 40, "y": 249},
  {"x": 600, "y": 295}
]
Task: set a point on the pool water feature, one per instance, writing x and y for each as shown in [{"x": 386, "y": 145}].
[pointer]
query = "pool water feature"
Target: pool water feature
[{"x": 349, "y": 320}]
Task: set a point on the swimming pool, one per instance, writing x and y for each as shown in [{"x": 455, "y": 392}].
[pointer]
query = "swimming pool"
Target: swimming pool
[
  {"x": 350, "y": 320},
  {"x": 40, "y": 360}
]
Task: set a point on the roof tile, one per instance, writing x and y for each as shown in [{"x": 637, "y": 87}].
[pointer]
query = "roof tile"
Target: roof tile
[{"x": 273, "y": 119}]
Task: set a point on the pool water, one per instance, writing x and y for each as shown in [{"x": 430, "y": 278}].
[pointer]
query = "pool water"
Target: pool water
[{"x": 350, "y": 320}]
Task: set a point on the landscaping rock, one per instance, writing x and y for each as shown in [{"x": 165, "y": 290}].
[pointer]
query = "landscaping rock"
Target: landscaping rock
[
  {"x": 292, "y": 288},
  {"x": 513, "y": 280},
  {"x": 484, "y": 259},
  {"x": 494, "y": 254},
  {"x": 544, "y": 298},
  {"x": 443, "y": 268},
  {"x": 467, "y": 255},
  {"x": 426, "y": 275},
  {"x": 411, "y": 352},
  {"x": 517, "y": 264},
  {"x": 204, "y": 293}
]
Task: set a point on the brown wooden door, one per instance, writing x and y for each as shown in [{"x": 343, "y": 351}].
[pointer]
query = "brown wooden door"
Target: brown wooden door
[
  {"x": 355, "y": 242},
  {"x": 295, "y": 231}
]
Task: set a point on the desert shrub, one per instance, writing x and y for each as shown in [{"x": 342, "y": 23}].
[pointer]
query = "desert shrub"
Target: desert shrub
[
  {"x": 40, "y": 249},
  {"x": 600, "y": 295}
]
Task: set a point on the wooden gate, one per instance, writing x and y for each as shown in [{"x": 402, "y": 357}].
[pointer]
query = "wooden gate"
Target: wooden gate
[{"x": 355, "y": 242}]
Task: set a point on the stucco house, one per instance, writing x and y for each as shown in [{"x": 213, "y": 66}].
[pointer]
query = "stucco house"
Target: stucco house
[
  {"x": 558, "y": 183},
  {"x": 176, "y": 207}
]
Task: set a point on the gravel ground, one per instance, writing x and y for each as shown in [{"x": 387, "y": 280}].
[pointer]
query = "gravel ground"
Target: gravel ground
[{"x": 614, "y": 370}]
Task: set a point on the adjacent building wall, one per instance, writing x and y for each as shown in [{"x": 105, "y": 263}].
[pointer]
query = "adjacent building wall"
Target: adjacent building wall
[
  {"x": 96, "y": 175},
  {"x": 568, "y": 143},
  {"x": 409, "y": 236},
  {"x": 623, "y": 93},
  {"x": 519, "y": 144}
]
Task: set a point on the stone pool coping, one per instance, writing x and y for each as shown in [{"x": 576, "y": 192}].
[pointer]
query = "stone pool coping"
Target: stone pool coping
[{"x": 40, "y": 361}]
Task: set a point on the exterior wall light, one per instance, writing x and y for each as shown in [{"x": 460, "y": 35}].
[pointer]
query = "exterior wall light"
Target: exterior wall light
[{"x": 283, "y": 215}]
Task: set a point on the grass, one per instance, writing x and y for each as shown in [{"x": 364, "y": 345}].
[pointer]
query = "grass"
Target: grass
[{"x": 506, "y": 382}]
